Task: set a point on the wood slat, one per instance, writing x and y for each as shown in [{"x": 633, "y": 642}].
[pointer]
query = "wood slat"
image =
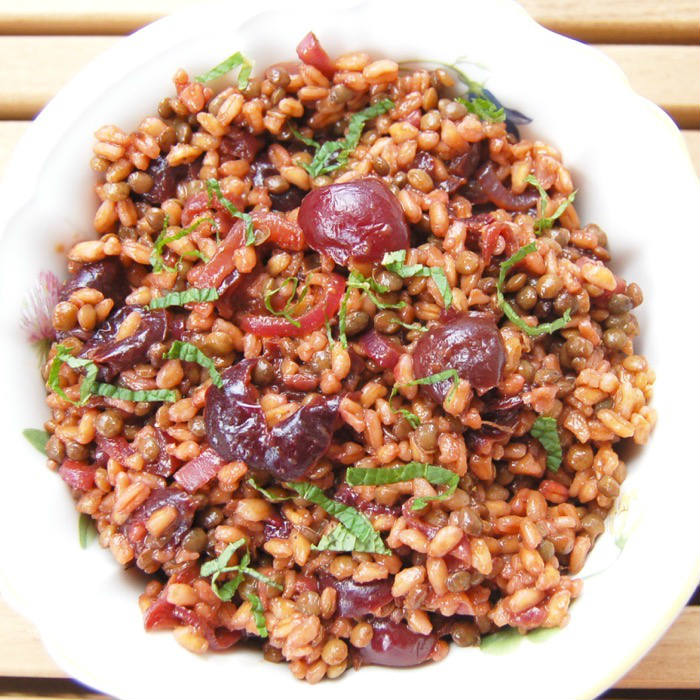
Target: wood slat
[
  {"x": 45, "y": 689},
  {"x": 35, "y": 68},
  {"x": 10, "y": 131},
  {"x": 672, "y": 663},
  {"x": 667, "y": 75},
  {"x": 9, "y": 135},
  {"x": 622, "y": 21},
  {"x": 23, "y": 654}
]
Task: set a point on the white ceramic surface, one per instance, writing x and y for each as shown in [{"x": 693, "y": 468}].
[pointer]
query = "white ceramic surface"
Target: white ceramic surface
[{"x": 634, "y": 179}]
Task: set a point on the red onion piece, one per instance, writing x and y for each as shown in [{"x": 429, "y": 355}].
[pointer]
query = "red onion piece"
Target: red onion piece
[
  {"x": 312, "y": 53},
  {"x": 77, "y": 475},
  {"x": 199, "y": 471}
]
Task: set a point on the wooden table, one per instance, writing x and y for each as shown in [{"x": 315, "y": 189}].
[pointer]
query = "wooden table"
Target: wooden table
[{"x": 656, "y": 42}]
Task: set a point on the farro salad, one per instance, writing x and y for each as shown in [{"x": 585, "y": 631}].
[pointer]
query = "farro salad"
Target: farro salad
[{"x": 344, "y": 375}]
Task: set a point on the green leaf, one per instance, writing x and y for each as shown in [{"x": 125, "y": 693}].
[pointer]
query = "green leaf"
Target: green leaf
[
  {"x": 412, "y": 418},
  {"x": 329, "y": 333},
  {"x": 258, "y": 614},
  {"x": 218, "y": 566},
  {"x": 368, "y": 539},
  {"x": 483, "y": 108},
  {"x": 328, "y": 157},
  {"x": 221, "y": 562},
  {"x": 64, "y": 356},
  {"x": 120, "y": 392},
  {"x": 191, "y": 353},
  {"x": 334, "y": 154},
  {"x": 90, "y": 386},
  {"x": 300, "y": 137},
  {"x": 542, "y": 634},
  {"x": 268, "y": 495},
  {"x": 544, "y": 429},
  {"x": 395, "y": 262},
  {"x": 36, "y": 438},
  {"x": 233, "y": 61},
  {"x": 86, "y": 530},
  {"x": 193, "y": 295},
  {"x": 509, "y": 311},
  {"x": 436, "y": 378},
  {"x": 227, "y": 590},
  {"x": 286, "y": 310},
  {"x": 473, "y": 86},
  {"x": 342, "y": 319},
  {"x": 261, "y": 577},
  {"x": 431, "y": 379},
  {"x": 438, "y": 476},
  {"x": 503, "y": 642},
  {"x": 156, "y": 258},
  {"x": 357, "y": 280},
  {"x": 412, "y": 326},
  {"x": 339, "y": 539},
  {"x": 544, "y": 223},
  {"x": 214, "y": 189}
]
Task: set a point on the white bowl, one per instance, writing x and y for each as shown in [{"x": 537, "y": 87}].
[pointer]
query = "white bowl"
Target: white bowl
[{"x": 634, "y": 179}]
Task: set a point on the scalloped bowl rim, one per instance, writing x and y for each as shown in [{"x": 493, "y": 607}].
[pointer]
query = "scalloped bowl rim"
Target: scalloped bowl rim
[{"x": 79, "y": 94}]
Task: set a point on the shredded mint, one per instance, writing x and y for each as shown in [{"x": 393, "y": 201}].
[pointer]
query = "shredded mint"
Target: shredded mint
[
  {"x": 90, "y": 386},
  {"x": 473, "y": 86},
  {"x": 367, "y": 539},
  {"x": 191, "y": 353},
  {"x": 334, "y": 154},
  {"x": 339, "y": 539},
  {"x": 370, "y": 286},
  {"x": 268, "y": 495},
  {"x": 307, "y": 141},
  {"x": 258, "y": 614},
  {"x": 234, "y": 61},
  {"x": 86, "y": 530},
  {"x": 36, "y": 438},
  {"x": 544, "y": 223},
  {"x": 193, "y": 295},
  {"x": 438, "y": 476},
  {"x": 120, "y": 392},
  {"x": 395, "y": 262},
  {"x": 214, "y": 189},
  {"x": 431, "y": 379},
  {"x": 509, "y": 311},
  {"x": 412, "y": 418},
  {"x": 156, "y": 258},
  {"x": 544, "y": 429},
  {"x": 356, "y": 280},
  {"x": 483, "y": 108},
  {"x": 411, "y": 326},
  {"x": 286, "y": 310},
  {"x": 218, "y": 566},
  {"x": 342, "y": 319},
  {"x": 64, "y": 356}
]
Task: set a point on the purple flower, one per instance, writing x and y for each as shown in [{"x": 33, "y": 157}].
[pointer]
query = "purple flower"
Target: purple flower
[{"x": 37, "y": 308}]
